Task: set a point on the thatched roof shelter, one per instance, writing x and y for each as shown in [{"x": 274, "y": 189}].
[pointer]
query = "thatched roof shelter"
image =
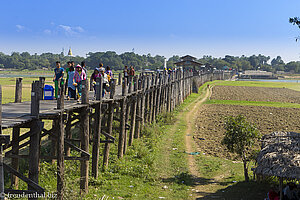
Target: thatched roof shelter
[{"x": 280, "y": 155}]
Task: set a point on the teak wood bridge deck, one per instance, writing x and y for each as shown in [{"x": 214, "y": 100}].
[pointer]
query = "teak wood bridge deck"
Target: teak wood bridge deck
[{"x": 132, "y": 104}]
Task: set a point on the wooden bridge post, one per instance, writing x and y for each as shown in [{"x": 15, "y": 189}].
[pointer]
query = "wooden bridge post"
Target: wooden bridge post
[
  {"x": 181, "y": 87},
  {"x": 91, "y": 85},
  {"x": 147, "y": 99},
  {"x": 60, "y": 97},
  {"x": 42, "y": 85},
  {"x": 110, "y": 119},
  {"x": 153, "y": 113},
  {"x": 68, "y": 131},
  {"x": 127, "y": 111},
  {"x": 129, "y": 84},
  {"x": 172, "y": 92},
  {"x": 4, "y": 140},
  {"x": 158, "y": 86},
  {"x": 18, "y": 92},
  {"x": 142, "y": 108},
  {"x": 1, "y": 151},
  {"x": 84, "y": 118},
  {"x": 97, "y": 128},
  {"x": 120, "y": 79},
  {"x": 34, "y": 150},
  {"x": 138, "y": 110},
  {"x": 15, "y": 136},
  {"x": 165, "y": 92},
  {"x": 60, "y": 142},
  {"x": 151, "y": 89},
  {"x": 162, "y": 93},
  {"x": 122, "y": 119},
  {"x": 133, "y": 112},
  {"x": 169, "y": 93},
  {"x": 15, "y": 160}
]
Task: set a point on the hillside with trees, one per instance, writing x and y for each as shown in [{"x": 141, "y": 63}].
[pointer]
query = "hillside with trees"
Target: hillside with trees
[{"x": 25, "y": 60}]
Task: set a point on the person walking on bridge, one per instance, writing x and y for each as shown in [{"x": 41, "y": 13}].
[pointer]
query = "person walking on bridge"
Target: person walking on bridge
[
  {"x": 58, "y": 76},
  {"x": 126, "y": 73},
  {"x": 105, "y": 86},
  {"x": 79, "y": 76}
]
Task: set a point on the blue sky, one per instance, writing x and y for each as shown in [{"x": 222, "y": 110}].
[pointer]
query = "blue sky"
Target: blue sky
[{"x": 164, "y": 27}]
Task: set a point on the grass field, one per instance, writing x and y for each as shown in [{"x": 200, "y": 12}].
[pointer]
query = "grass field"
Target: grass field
[{"x": 9, "y": 85}]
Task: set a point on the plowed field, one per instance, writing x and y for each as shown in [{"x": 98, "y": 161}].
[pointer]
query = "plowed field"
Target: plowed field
[
  {"x": 209, "y": 130},
  {"x": 242, "y": 93}
]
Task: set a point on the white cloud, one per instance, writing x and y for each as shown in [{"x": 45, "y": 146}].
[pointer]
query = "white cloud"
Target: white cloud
[
  {"x": 20, "y": 27},
  {"x": 79, "y": 29},
  {"x": 71, "y": 31},
  {"x": 47, "y": 31}
]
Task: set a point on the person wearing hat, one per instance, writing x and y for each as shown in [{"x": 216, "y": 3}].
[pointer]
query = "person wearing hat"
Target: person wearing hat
[
  {"x": 105, "y": 81},
  {"x": 79, "y": 76}
]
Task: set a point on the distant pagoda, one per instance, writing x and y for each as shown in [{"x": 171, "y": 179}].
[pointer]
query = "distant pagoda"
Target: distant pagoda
[{"x": 70, "y": 52}]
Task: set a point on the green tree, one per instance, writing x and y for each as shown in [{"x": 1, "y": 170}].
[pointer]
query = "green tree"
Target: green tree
[{"x": 240, "y": 137}]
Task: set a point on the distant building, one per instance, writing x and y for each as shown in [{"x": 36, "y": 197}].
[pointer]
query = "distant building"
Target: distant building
[
  {"x": 256, "y": 74},
  {"x": 188, "y": 62}
]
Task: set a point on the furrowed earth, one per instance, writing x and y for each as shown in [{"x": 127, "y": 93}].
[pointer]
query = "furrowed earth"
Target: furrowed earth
[
  {"x": 241, "y": 93},
  {"x": 209, "y": 130}
]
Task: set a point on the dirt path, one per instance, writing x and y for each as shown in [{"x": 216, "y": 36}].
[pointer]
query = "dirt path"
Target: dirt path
[
  {"x": 200, "y": 189},
  {"x": 189, "y": 132}
]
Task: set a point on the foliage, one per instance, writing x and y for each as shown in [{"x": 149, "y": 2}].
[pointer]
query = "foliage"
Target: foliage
[
  {"x": 116, "y": 61},
  {"x": 240, "y": 137}
]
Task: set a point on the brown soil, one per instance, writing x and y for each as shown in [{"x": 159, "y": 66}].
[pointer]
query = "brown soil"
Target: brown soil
[
  {"x": 209, "y": 130},
  {"x": 242, "y": 93}
]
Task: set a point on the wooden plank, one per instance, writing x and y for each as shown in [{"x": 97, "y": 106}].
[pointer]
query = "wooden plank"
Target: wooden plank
[{"x": 33, "y": 184}]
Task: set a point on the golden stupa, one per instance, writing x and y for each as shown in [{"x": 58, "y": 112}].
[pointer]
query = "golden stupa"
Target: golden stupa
[{"x": 70, "y": 52}]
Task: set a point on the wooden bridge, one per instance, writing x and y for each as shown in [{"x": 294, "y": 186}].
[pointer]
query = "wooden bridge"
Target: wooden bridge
[{"x": 132, "y": 104}]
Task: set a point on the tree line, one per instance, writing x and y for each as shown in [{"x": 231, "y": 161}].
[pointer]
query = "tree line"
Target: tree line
[{"x": 116, "y": 61}]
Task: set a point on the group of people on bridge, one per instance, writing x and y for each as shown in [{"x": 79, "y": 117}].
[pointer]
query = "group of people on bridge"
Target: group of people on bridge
[{"x": 76, "y": 74}]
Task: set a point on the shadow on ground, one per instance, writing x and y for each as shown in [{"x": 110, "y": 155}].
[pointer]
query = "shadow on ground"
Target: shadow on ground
[
  {"x": 187, "y": 179},
  {"x": 238, "y": 191},
  {"x": 233, "y": 191}
]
